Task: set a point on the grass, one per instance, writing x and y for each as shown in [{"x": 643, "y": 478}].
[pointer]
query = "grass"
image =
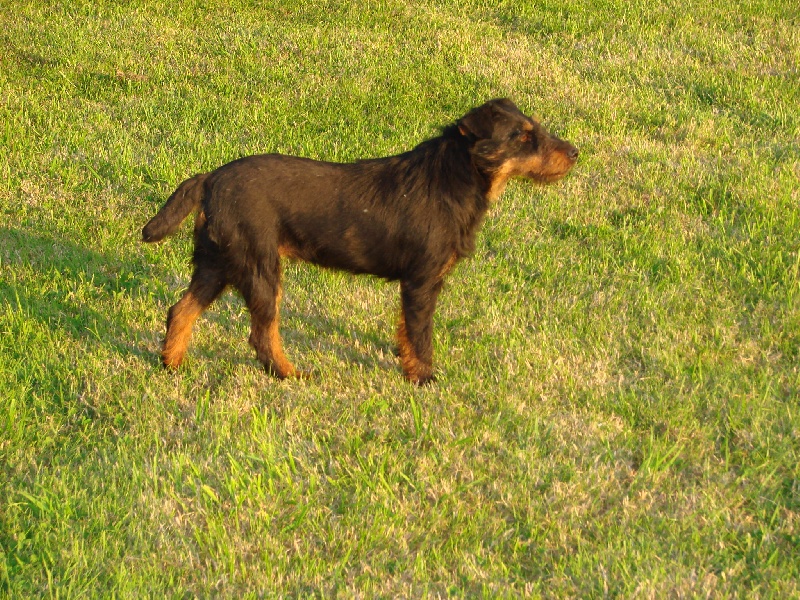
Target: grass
[{"x": 617, "y": 405}]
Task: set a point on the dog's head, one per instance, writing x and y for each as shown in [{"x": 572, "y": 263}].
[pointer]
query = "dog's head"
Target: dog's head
[{"x": 505, "y": 143}]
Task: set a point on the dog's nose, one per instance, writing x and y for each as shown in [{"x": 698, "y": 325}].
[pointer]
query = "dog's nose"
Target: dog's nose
[{"x": 572, "y": 153}]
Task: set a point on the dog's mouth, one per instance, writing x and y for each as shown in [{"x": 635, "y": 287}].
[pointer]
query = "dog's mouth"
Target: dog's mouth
[
  {"x": 558, "y": 164},
  {"x": 549, "y": 177}
]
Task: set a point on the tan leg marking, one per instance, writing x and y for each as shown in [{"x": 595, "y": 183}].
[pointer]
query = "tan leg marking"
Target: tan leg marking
[
  {"x": 281, "y": 366},
  {"x": 179, "y": 329},
  {"x": 415, "y": 370}
]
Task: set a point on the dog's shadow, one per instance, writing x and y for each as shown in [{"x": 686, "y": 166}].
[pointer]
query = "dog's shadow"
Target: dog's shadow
[
  {"x": 62, "y": 299},
  {"x": 63, "y": 276},
  {"x": 307, "y": 331},
  {"x": 338, "y": 338}
]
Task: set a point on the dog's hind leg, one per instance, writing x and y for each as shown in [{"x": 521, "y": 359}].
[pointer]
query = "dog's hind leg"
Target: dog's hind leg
[
  {"x": 415, "y": 332},
  {"x": 262, "y": 293},
  {"x": 206, "y": 286}
]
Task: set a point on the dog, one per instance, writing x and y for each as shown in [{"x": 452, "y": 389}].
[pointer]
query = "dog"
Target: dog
[{"x": 407, "y": 218}]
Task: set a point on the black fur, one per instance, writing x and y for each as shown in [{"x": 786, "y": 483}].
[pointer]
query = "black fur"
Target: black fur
[{"x": 409, "y": 218}]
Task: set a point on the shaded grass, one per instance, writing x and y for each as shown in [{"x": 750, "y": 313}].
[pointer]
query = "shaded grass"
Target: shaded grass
[{"x": 616, "y": 412}]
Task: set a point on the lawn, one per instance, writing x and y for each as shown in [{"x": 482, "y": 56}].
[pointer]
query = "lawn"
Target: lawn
[{"x": 616, "y": 411}]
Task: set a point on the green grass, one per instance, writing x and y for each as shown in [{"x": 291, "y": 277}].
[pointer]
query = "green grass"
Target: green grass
[{"x": 617, "y": 406}]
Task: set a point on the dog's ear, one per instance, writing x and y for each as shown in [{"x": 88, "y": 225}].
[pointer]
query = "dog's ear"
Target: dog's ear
[{"x": 479, "y": 123}]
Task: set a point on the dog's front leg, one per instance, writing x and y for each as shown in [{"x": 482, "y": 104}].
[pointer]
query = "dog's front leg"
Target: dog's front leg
[{"x": 415, "y": 332}]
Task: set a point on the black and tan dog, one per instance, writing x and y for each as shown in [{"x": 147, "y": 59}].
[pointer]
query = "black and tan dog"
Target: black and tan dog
[{"x": 409, "y": 217}]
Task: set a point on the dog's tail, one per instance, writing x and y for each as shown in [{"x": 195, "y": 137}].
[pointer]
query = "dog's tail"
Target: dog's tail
[{"x": 182, "y": 202}]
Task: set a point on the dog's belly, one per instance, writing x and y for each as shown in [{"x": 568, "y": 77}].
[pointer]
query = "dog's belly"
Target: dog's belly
[{"x": 354, "y": 245}]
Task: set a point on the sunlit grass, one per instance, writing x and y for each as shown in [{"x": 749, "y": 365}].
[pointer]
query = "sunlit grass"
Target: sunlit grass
[{"x": 616, "y": 407}]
